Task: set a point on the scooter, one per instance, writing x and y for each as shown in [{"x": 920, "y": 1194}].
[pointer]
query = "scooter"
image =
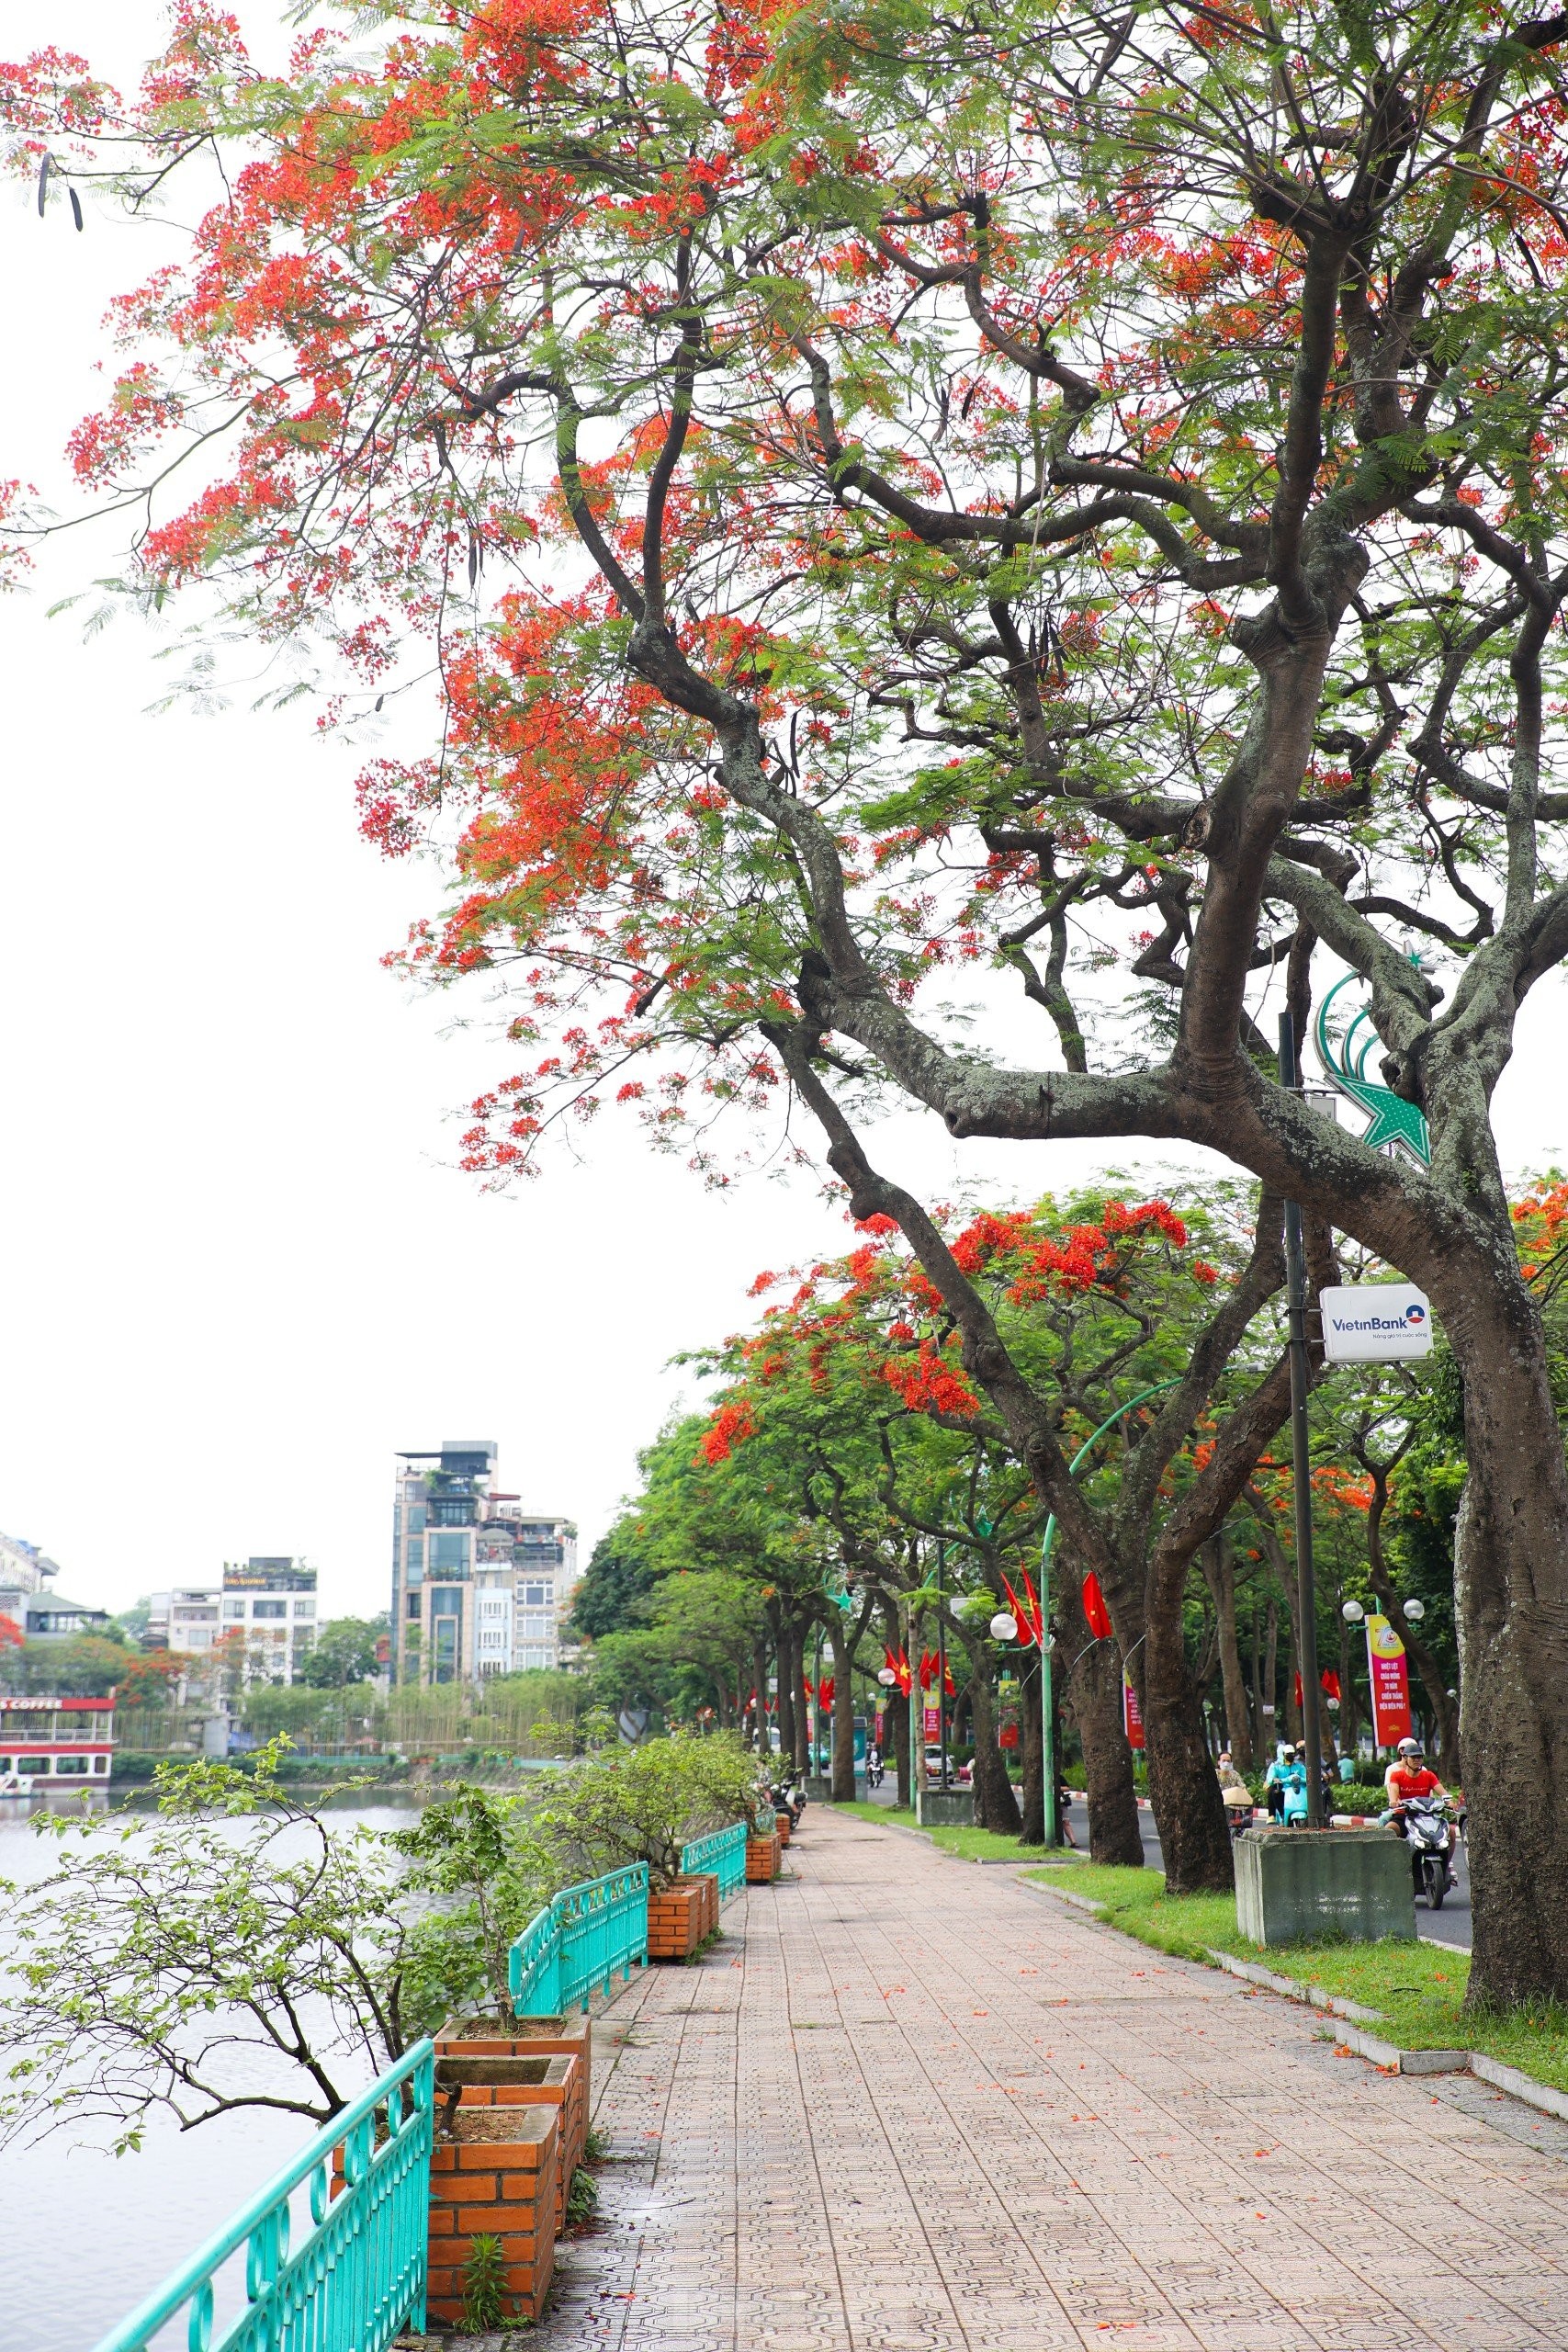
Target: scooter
[
  {"x": 790, "y": 1798},
  {"x": 1424, "y": 1822}
]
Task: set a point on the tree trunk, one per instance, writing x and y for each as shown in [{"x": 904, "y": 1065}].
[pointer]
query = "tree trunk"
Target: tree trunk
[
  {"x": 896, "y": 1707},
  {"x": 760, "y": 1711},
  {"x": 1194, "y": 1835},
  {"x": 1031, "y": 1810},
  {"x": 784, "y": 1638},
  {"x": 996, "y": 1807},
  {"x": 1218, "y": 1557},
  {"x": 797, "y": 1691},
  {"x": 842, "y": 1784},
  {"x": 1092, "y": 1672},
  {"x": 1271, "y": 1731}
]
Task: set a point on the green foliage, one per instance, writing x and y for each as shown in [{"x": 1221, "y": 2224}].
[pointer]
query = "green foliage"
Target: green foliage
[
  {"x": 75, "y": 1666},
  {"x": 484, "y": 2285},
  {"x": 289, "y": 1708},
  {"x": 616, "y": 1580},
  {"x": 209, "y": 1958},
  {"x": 581, "y": 2198},
  {"x": 642, "y": 1804},
  {"x": 479, "y": 1870},
  {"x": 344, "y": 1652}
]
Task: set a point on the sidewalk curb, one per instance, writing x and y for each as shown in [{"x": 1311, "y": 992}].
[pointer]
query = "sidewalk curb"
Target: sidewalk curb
[{"x": 1344, "y": 2034}]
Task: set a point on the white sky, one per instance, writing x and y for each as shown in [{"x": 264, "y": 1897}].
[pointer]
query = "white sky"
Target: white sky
[{"x": 237, "y": 1265}]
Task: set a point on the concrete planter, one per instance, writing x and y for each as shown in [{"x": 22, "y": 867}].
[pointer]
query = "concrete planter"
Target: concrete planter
[
  {"x": 676, "y": 1920},
  {"x": 820, "y": 1787},
  {"x": 1298, "y": 1886},
  {"x": 497, "y": 2175},
  {"x": 762, "y": 1860},
  {"x": 945, "y": 1808}
]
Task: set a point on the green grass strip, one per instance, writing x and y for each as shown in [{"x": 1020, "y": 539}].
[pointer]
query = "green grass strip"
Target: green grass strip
[
  {"x": 1418, "y": 1989},
  {"x": 969, "y": 1845}
]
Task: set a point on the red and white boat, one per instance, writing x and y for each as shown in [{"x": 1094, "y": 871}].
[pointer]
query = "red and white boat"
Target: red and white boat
[{"x": 49, "y": 1745}]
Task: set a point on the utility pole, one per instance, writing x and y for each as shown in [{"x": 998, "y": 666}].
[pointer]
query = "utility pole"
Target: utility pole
[
  {"x": 1306, "y": 1583},
  {"x": 942, "y": 1663}
]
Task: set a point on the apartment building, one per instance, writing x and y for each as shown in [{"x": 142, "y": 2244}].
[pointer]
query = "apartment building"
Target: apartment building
[
  {"x": 29, "y": 1602},
  {"x": 264, "y": 1613},
  {"x": 272, "y": 1602},
  {"x": 480, "y": 1584}
]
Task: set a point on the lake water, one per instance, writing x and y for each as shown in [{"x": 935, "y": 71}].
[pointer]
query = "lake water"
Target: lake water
[{"x": 85, "y": 2236}]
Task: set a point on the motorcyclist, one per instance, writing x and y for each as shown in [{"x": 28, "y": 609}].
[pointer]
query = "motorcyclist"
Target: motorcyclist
[{"x": 1410, "y": 1776}]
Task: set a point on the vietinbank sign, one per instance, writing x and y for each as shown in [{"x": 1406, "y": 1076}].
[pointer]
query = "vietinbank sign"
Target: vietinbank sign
[{"x": 1375, "y": 1323}]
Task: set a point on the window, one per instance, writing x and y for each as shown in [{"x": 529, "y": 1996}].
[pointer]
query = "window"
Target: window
[
  {"x": 34, "y": 1764},
  {"x": 413, "y": 1605},
  {"x": 101, "y": 1763},
  {"x": 233, "y": 1608},
  {"x": 269, "y": 1608},
  {"x": 535, "y": 1628},
  {"x": 538, "y": 1596},
  {"x": 416, "y": 1557},
  {"x": 448, "y": 1552},
  {"x": 304, "y": 1609},
  {"x": 75, "y": 1766},
  {"x": 5, "y": 1765}
]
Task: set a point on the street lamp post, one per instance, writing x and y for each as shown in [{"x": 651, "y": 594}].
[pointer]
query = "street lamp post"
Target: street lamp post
[
  {"x": 1306, "y": 1585},
  {"x": 941, "y": 1668}
]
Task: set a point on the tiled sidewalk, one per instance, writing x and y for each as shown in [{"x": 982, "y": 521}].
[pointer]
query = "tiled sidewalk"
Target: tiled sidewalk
[{"x": 908, "y": 2107}]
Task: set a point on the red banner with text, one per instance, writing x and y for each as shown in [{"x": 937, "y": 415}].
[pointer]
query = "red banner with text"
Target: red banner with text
[{"x": 1132, "y": 1714}]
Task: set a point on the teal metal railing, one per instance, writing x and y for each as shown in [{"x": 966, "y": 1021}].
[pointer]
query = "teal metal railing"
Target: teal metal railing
[
  {"x": 589, "y": 1933},
  {"x": 724, "y": 1853},
  {"x": 358, "y": 2280}
]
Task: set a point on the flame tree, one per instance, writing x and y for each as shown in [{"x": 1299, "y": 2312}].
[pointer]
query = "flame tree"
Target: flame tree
[
  {"x": 976, "y": 486},
  {"x": 859, "y": 1377}
]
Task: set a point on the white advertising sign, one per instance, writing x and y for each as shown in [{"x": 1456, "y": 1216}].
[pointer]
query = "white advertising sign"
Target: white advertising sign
[{"x": 1375, "y": 1323}]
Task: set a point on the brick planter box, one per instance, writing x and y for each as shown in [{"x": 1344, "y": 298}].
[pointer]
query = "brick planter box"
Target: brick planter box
[
  {"x": 531, "y": 2080},
  {"x": 762, "y": 1860},
  {"x": 497, "y": 2176},
  {"x": 492, "y": 2037},
  {"x": 708, "y": 1881},
  {"x": 784, "y": 1824},
  {"x": 676, "y": 1920}
]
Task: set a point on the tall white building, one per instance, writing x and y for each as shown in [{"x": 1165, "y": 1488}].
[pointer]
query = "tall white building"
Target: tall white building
[
  {"x": 479, "y": 1584},
  {"x": 264, "y": 1613}
]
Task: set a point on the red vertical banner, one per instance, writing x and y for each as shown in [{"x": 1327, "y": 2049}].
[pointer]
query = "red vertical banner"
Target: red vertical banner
[
  {"x": 1389, "y": 1679},
  {"x": 1132, "y": 1714},
  {"x": 933, "y": 1723}
]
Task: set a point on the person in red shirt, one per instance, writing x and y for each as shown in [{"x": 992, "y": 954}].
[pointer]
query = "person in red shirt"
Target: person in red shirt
[{"x": 1409, "y": 1777}]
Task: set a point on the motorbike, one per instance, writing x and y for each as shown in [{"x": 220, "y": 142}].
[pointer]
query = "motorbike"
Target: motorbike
[
  {"x": 1424, "y": 1823},
  {"x": 790, "y": 1798},
  {"x": 874, "y": 1773}
]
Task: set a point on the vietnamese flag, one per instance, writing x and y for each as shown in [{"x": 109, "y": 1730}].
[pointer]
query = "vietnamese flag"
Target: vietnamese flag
[{"x": 1094, "y": 1608}]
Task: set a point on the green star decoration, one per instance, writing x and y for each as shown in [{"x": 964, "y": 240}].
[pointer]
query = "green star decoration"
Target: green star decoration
[{"x": 1393, "y": 1119}]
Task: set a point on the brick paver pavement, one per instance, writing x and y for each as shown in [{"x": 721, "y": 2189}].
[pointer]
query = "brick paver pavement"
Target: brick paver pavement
[{"x": 906, "y": 2106}]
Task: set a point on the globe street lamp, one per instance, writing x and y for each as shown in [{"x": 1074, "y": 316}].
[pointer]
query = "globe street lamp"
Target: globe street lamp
[{"x": 1004, "y": 1627}]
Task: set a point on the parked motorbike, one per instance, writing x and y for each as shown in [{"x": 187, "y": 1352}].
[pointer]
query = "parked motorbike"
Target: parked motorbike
[
  {"x": 790, "y": 1798},
  {"x": 1424, "y": 1823}
]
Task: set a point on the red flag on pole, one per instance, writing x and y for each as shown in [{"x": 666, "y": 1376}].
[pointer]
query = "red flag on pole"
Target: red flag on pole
[{"x": 1094, "y": 1608}]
